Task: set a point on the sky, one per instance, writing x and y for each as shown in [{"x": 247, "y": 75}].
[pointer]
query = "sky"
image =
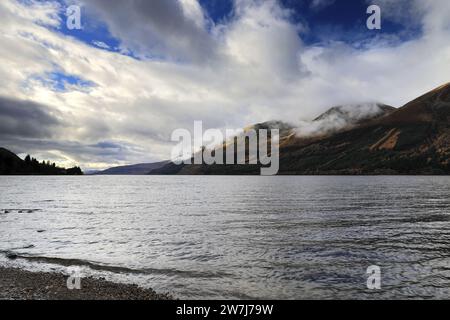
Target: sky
[{"x": 112, "y": 92}]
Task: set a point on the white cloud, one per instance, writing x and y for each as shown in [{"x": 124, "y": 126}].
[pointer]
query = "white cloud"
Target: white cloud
[
  {"x": 101, "y": 44},
  {"x": 173, "y": 28},
  {"x": 252, "y": 69}
]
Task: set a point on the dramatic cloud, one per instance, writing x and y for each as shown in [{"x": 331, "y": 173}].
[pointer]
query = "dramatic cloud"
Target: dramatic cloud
[
  {"x": 170, "y": 28},
  {"x": 99, "y": 105},
  {"x": 26, "y": 119}
]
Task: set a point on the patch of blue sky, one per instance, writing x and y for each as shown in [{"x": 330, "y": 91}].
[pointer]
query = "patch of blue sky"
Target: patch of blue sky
[
  {"x": 218, "y": 10},
  {"x": 335, "y": 20},
  {"x": 63, "y": 82},
  {"x": 345, "y": 21},
  {"x": 93, "y": 32}
]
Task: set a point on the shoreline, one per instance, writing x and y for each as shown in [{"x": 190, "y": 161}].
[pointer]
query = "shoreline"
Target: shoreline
[{"x": 18, "y": 284}]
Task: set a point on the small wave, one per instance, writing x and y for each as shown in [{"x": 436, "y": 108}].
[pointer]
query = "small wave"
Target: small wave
[
  {"x": 28, "y": 246},
  {"x": 115, "y": 269},
  {"x": 5, "y": 211}
]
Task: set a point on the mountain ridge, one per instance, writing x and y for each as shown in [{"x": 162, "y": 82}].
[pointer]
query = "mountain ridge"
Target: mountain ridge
[
  {"x": 135, "y": 169},
  {"x": 414, "y": 139}
]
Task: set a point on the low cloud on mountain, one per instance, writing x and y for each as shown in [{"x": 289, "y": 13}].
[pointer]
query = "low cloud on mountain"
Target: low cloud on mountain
[{"x": 338, "y": 118}]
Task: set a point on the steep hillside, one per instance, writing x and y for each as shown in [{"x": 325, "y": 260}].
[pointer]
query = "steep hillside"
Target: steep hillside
[
  {"x": 411, "y": 140},
  {"x": 414, "y": 139}
]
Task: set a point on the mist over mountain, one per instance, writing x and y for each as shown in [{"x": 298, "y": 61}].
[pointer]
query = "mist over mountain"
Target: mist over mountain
[
  {"x": 369, "y": 139},
  {"x": 341, "y": 117}
]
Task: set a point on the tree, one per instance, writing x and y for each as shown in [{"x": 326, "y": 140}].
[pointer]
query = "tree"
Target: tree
[{"x": 75, "y": 171}]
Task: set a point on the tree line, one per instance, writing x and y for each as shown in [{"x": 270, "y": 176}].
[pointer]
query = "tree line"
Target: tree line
[{"x": 10, "y": 164}]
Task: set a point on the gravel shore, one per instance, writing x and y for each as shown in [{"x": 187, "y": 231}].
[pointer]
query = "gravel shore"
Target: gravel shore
[{"x": 17, "y": 284}]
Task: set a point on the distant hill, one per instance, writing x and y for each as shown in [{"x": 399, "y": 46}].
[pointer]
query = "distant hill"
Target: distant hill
[
  {"x": 137, "y": 169},
  {"x": 11, "y": 164},
  {"x": 414, "y": 140}
]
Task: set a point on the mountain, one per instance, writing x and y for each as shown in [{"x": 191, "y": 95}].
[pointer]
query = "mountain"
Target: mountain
[
  {"x": 342, "y": 118},
  {"x": 137, "y": 169},
  {"x": 11, "y": 164},
  {"x": 356, "y": 113},
  {"x": 414, "y": 139}
]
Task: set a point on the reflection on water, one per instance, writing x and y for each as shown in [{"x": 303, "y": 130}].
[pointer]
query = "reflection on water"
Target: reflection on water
[{"x": 237, "y": 237}]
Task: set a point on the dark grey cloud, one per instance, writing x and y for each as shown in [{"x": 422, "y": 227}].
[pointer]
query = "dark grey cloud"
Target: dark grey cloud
[
  {"x": 21, "y": 118},
  {"x": 156, "y": 28}
]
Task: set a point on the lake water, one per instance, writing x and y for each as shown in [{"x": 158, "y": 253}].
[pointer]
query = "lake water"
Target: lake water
[{"x": 236, "y": 237}]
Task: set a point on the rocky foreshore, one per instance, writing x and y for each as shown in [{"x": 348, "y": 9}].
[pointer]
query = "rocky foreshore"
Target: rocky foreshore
[{"x": 17, "y": 284}]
